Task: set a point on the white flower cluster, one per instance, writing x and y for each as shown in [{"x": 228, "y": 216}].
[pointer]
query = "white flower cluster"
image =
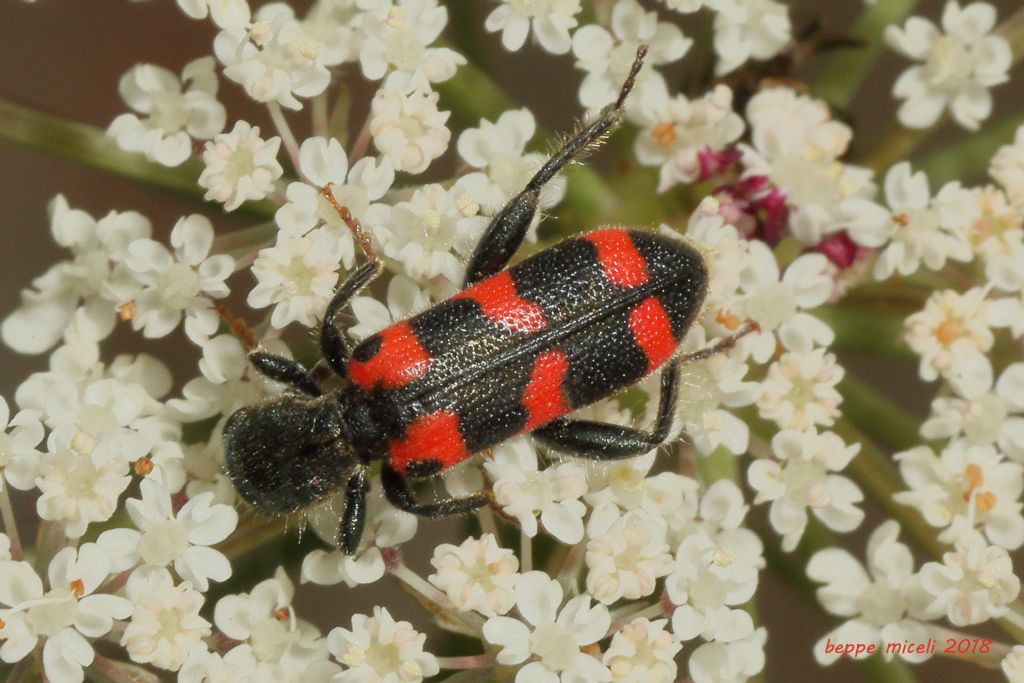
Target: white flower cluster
[{"x": 653, "y": 554}]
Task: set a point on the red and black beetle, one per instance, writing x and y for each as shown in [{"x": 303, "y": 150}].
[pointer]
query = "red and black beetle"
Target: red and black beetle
[{"x": 513, "y": 352}]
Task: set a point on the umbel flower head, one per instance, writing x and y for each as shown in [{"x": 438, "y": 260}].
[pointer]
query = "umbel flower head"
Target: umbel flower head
[{"x": 389, "y": 286}]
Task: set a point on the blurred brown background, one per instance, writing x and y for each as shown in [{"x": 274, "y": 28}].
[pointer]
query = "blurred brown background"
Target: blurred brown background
[{"x": 64, "y": 57}]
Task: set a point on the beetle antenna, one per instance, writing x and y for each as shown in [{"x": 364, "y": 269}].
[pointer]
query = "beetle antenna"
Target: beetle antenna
[
  {"x": 351, "y": 221},
  {"x": 634, "y": 71}
]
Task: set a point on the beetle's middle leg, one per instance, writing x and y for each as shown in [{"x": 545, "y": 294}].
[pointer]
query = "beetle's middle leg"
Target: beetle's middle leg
[
  {"x": 396, "y": 490},
  {"x": 602, "y": 441},
  {"x": 505, "y": 233}
]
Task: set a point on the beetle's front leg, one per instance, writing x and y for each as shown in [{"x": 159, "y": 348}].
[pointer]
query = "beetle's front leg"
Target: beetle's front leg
[
  {"x": 333, "y": 346},
  {"x": 286, "y": 371},
  {"x": 396, "y": 490}
]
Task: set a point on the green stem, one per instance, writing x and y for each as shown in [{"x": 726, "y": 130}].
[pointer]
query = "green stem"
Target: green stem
[
  {"x": 10, "y": 522},
  {"x": 843, "y": 71},
  {"x": 969, "y": 158},
  {"x": 861, "y": 329},
  {"x": 1013, "y": 30},
  {"x": 895, "y": 145},
  {"x": 881, "y": 480},
  {"x": 89, "y": 145},
  {"x": 437, "y": 603},
  {"x": 879, "y": 417}
]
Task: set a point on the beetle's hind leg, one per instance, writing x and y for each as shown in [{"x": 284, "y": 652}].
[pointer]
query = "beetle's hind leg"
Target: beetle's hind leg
[
  {"x": 396, "y": 490},
  {"x": 602, "y": 441},
  {"x": 507, "y": 229}
]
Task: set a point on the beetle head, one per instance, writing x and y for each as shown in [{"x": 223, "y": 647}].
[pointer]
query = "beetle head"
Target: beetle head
[{"x": 287, "y": 454}]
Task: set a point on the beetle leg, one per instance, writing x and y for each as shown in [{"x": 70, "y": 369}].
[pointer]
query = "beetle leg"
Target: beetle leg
[
  {"x": 350, "y": 531},
  {"x": 396, "y": 490},
  {"x": 602, "y": 441},
  {"x": 722, "y": 345},
  {"x": 333, "y": 346},
  {"x": 507, "y": 229},
  {"x": 286, "y": 371}
]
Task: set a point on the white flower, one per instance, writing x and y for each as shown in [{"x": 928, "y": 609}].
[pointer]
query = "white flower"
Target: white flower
[
  {"x": 775, "y": 302},
  {"x": 167, "y": 537},
  {"x": 386, "y": 527},
  {"x": 240, "y": 166},
  {"x": 550, "y": 636},
  {"x": 65, "y": 615},
  {"x": 226, "y": 14},
  {"x": 877, "y": 602},
  {"x": 429, "y": 233},
  {"x": 804, "y": 478},
  {"x": 608, "y": 57},
  {"x": 324, "y": 163},
  {"x": 335, "y": 24},
  {"x": 728, "y": 662},
  {"x": 796, "y": 145},
  {"x": 972, "y": 584},
  {"x": 714, "y": 571},
  {"x": 476, "y": 575},
  {"x": 674, "y": 498},
  {"x": 643, "y": 652},
  {"x": 79, "y": 488},
  {"x": 379, "y": 649},
  {"x": 203, "y": 666},
  {"x": 165, "y": 623},
  {"x": 800, "y": 390},
  {"x": 1007, "y": 167},
  {"x": 746, "y": 29},
  {"x": 20, "y": 437},
  {"x": 1013, "y": 664},
  {"x": 277, "y": 59},
  {"x": 551, "y": 21},
  {"x": 678, "y": 133},
  {"x": 965, "y": 487},
  {"x": 498, "y": 149},
  {"x": 396, "y": 38},
  {"x": 408, "y": 128},
  {"x": 403, "y": 300},
  {"x": 921, "y": 229},
  {"x": 78, "y": 284},
  {"x": 950, "y": 328},
  {"x": 274, "y": 644},
  {"x": 959, "y": 67},
  {"x": 626, "y": 554},
  {"x": 297, "y": 276},
  {"x": 523, "y": 491},
  {"x": 997, "y": 236},
  {"x": 169, "y": 115},
  {"x": 182, "y": 282},
  {"x": 986, "y": 417}
]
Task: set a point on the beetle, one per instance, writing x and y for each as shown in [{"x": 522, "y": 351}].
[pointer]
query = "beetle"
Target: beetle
[{"x": 513, "y": 352}]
